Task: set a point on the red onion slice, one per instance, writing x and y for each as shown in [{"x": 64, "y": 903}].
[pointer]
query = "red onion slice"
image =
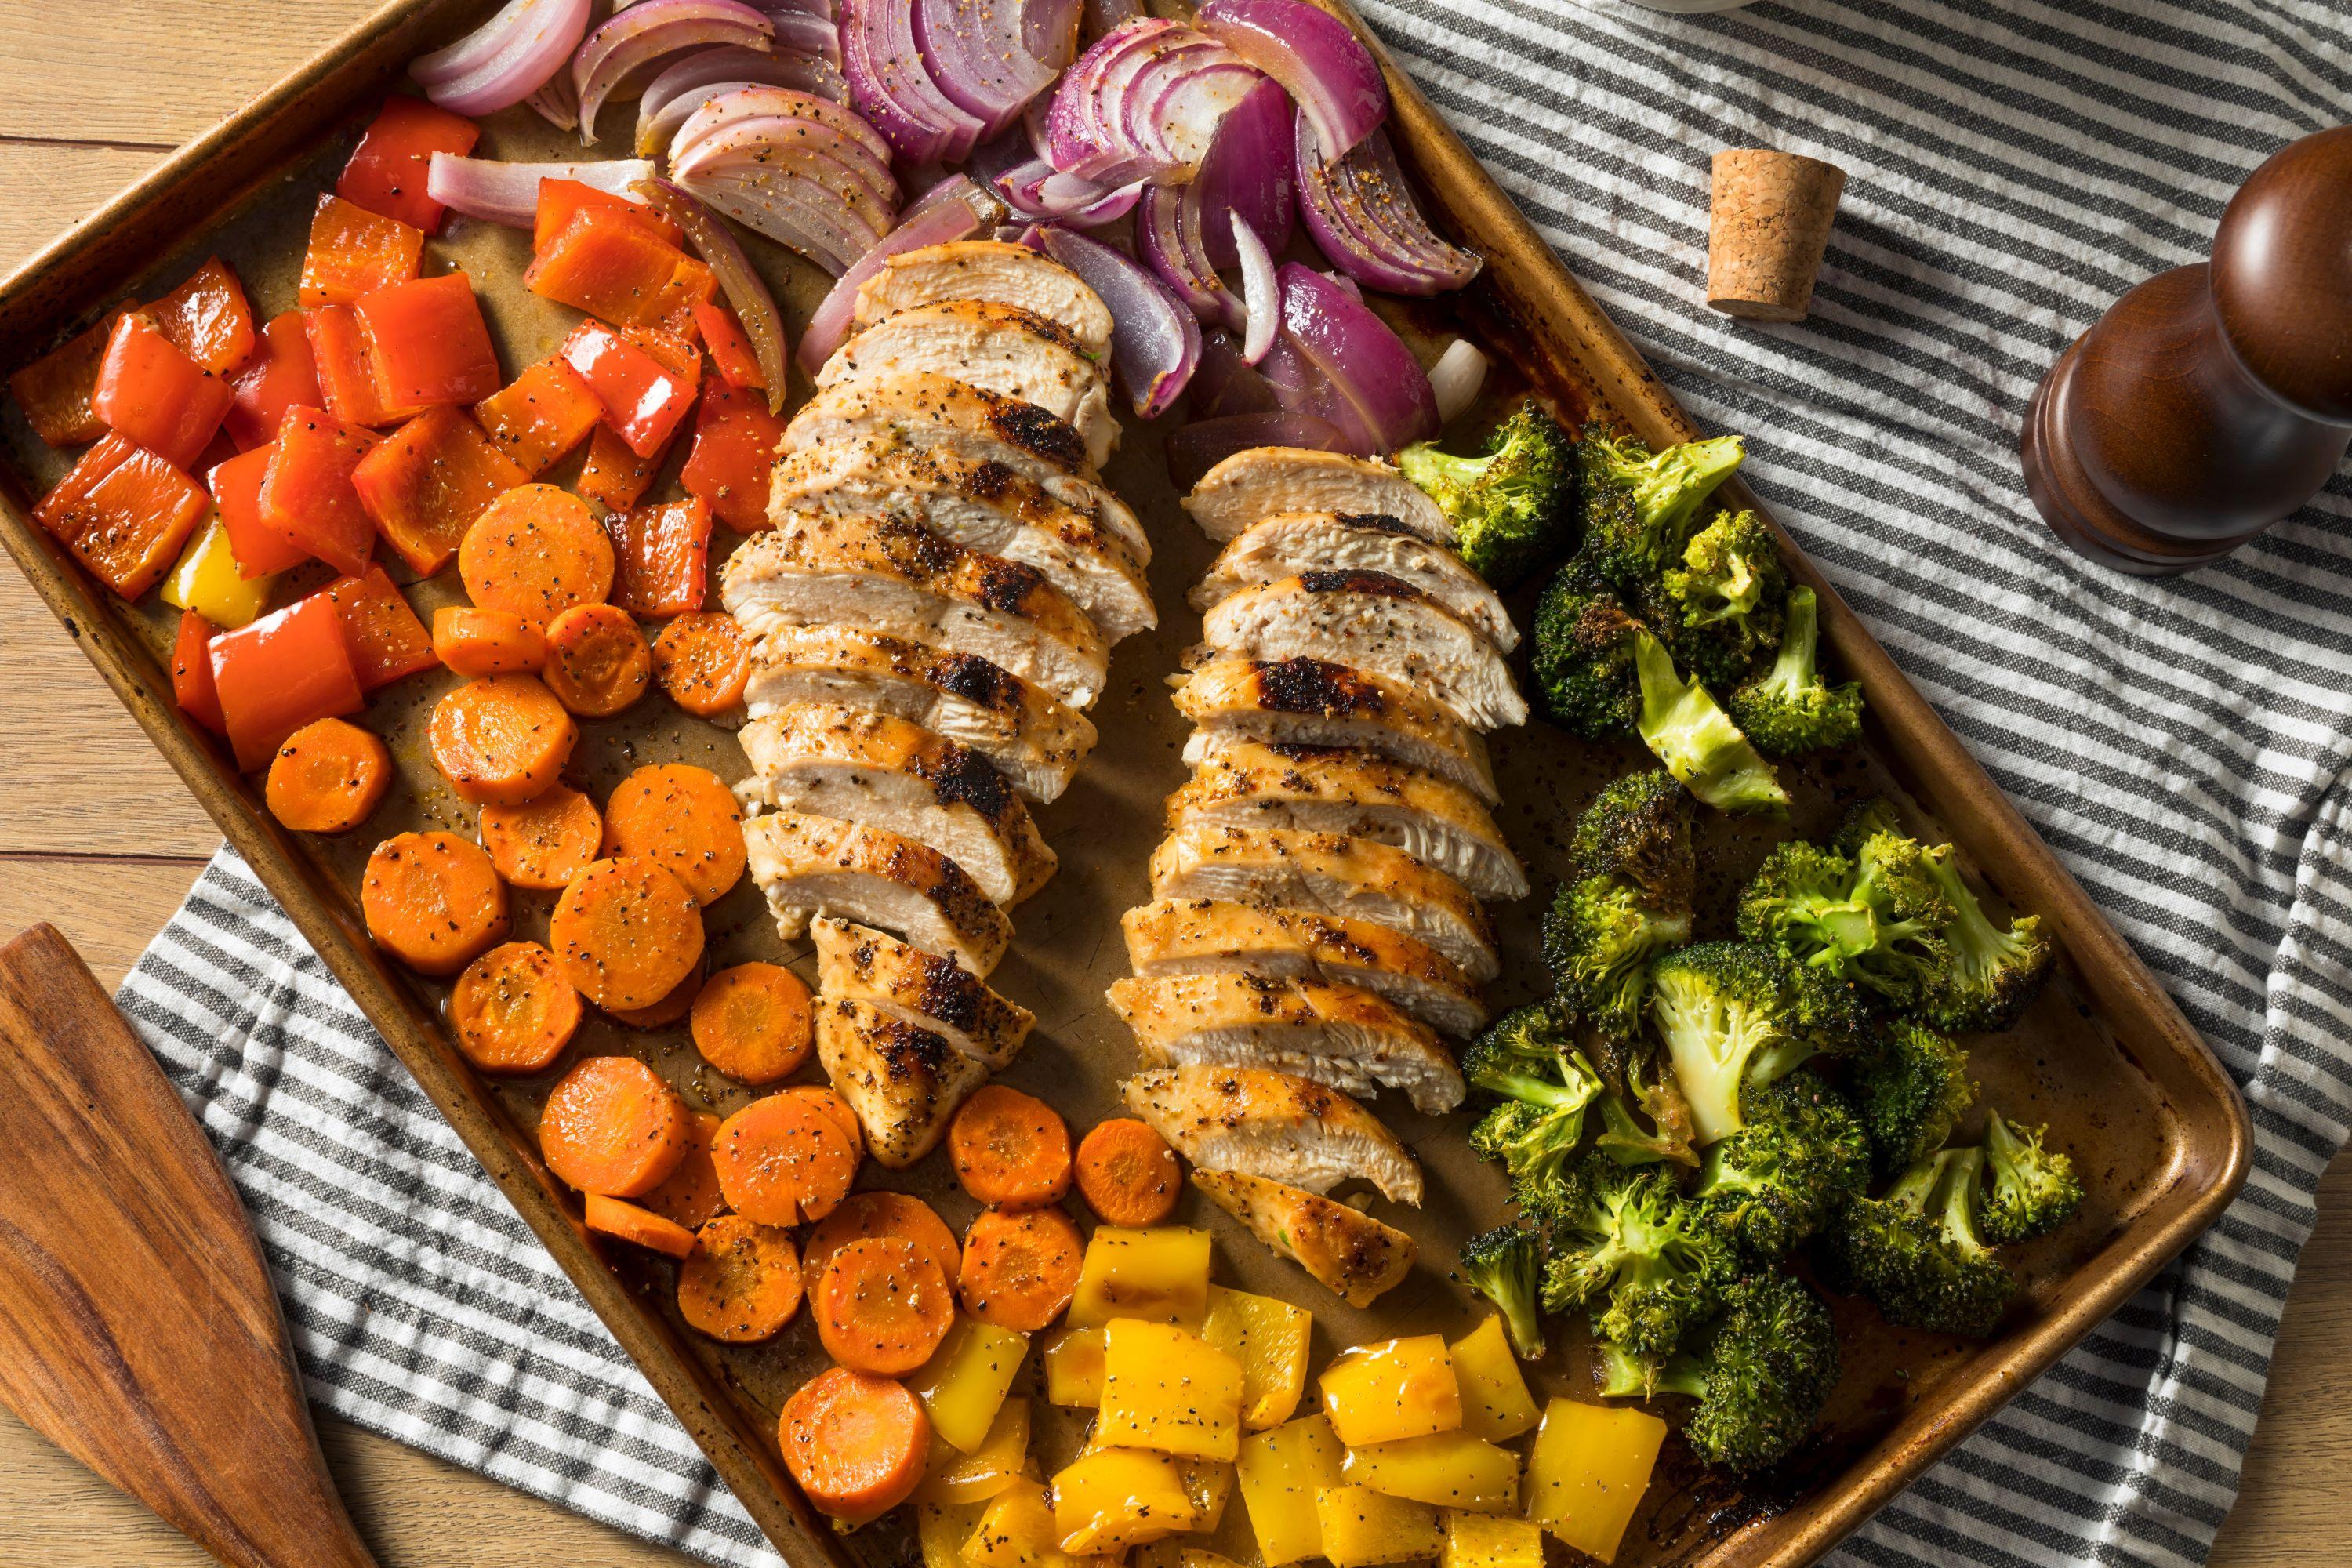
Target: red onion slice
[
  {"x": 1167, "y": 235},
  {"x": 755, "y": 308},
  {"x": 1144, "y": 104},
  {"x": 990, "y": 58},
  {"x": 556, "y": 102},
  {"x": 804, "y": 32},
  {"x": 1362, "y": 213},
  {"x": 1226, "y": 383},
  {"x": 789, "y": 146},
  {"x": 506, "y": 59},
  {"x": 1378, "y": 395},
  {"x": 507, "y": 193},
  {"x": 1035, "y": 188},
  {"x": 693, "y": 81},
  {"x": 794, "y": 215},
  {"x": 1192, "y": 451},
  {"x": 1248, "y": 172},
  {"x": 1326, "y": 68},
  {"x": 746, "y": 103},
  {"x": 890, "y": 84},
  {"x": 1261, "y": 293},
  {"x": 645, "y": 33},
  {"x": 949, "y": 211},
  {"x": 1155, "y": 342},
  {"x": 821, "y": 9}
]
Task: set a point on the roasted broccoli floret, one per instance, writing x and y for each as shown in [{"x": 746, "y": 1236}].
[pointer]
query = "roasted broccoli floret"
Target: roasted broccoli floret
[
  {"x": 1912, "y": 1092},
  {"x": 1640, "y": 1254},
  {"x": 1726, "y": 1012},
  {"x": 1800, "y": 1157},
  {"x": 1506, "y": 1266},
  {"x": 1992, "y": 974},
  {"x": 1598, "y": 937},
  {"x": 1514, "y": 506},
  {"x": 1700, "y": 746},
  {"x": 1916, "y": 1252},
  {"x": 1719, "y": 610},
  {"x": 1873, "y": 815},
  {"x": 2030, "y": 1191},
  {"x": 1875, "y": 920},
  {"x": 1528, "y": 1058},
  {"x": 1582, "y": 655},
  {"x": 1639, "y": 505},
  {"x": 1788, "y": 708},
  {"x": 1639, "y": 827},
  {"x": 1760, "y": 1370}
]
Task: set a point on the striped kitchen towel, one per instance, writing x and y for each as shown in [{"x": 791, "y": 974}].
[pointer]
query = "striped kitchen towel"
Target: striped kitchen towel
[{"x": 2013, "y": 166}]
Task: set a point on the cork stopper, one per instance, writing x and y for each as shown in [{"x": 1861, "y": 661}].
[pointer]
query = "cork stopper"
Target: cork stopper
[{"x": 1768, "y": 226}]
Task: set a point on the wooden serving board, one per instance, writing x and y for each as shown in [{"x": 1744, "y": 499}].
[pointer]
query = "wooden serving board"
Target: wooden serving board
[{"x": 2105, "y": 1057}]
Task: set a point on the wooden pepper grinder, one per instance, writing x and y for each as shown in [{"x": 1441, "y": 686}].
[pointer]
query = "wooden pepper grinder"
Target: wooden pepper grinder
[{"x": 2212, "y": 400}]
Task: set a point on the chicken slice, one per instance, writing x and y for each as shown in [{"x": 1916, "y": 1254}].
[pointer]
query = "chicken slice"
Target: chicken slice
[
  {"x": 981, "y": 506},
  {"x": 1343, "y": 1036},
  {"x": 1291, "y": 543},
  {"x": 824, "y": 866},
  {"x": 1354, "y": 879},
  {"x": 1358, "y": 1257},
  {"x": 893, "y": 575},
  {"x": 1034, "y": 738},
  {"x": 1242, "y": 782},
  {"x": 1377, "y": 623},
  {"x": 1273, "y": 1124},
  {"x": 1001, "y": 348},
  {"x": 925, "y": 409},
  {"x": 1313, "y": 702},
  {"x": 1202, "y": 936},
  {"x": 904, "y": 1081},
  {"x": 990, "y": 270},
  {"x": 919, "y": 988},
  {"x": 826, "y": 760},
  {"x": 1264, "y": 480}
]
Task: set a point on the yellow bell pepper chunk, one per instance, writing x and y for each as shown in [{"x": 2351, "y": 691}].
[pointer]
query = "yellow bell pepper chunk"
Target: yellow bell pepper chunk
[
  {"x": 1160, "y": 1275},
  {"x": 1280, "y": 1471},
  {"x": 1495, "y": 1404},
  {"x": 1483, "y": 1541},
  {"x": 966, "y": 1379},
  {"x": 1587, "y": 1472},
  {"x": 957, "y": 1478},
  {"x": 941, "y": 1528},
  {"x": 1362, "y": 1527},
  {"x": 1269, "y": 1339},
  {"x": 1112, "y": 1498},
  {"x": 1074, "y": 1368},
  {"x": 208, "y": 581},
  {"x": 1017, "y": 1531},
  {"x": 1395, "y": 1389},
  {"x": 1169, "y": 1391},
  {"x": 1445, "y": 1469}
]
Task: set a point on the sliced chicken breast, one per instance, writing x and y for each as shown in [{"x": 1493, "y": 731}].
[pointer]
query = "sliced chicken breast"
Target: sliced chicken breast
[
  {"x": 990, "y": 269},
  {"x": 919, "y": 988},
  {"x": 1264, "y": 480},
  {"x": 1357, "y": 1257},
  {"x": 826, "y": 759},
  {"x": 1291, "y": 543},
  {"x": 1207, "y": 936},
  {"x": 982, "y": 506},
  {"x": 1001, "y": 348},
  {"x": 810, "y": 865},
  {"x": 1242, "y": 782},
  {"x": 1313, "y": 702},
  {"x": 1273, "y": 1124},
  {"x": 894, "y": 576},
  {"x": 1343, "y": 1036},
  {"x": 1373, "y": 622},
  {"x": 1354, "y": 879},
  {"x": 1034, "y": 738},
  {"x": 925, "y": 409},
  {"x": 904, "y": 1081}
]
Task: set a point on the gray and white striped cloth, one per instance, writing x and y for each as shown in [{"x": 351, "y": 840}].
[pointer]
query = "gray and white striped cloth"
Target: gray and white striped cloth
[{"x": 2013, "y": 166}]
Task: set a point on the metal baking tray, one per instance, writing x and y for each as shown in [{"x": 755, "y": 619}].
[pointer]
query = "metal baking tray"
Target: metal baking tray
[{"x": 2105, "y": 1057}]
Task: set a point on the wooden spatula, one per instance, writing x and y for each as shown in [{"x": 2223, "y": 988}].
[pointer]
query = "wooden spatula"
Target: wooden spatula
[{"x": 138, "y": 1328}]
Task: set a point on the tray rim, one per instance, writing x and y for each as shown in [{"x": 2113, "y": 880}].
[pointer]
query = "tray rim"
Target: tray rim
[{"x": 1566, "y": 328}]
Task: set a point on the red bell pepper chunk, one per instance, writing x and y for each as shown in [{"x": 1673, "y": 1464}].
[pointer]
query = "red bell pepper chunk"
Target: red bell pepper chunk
[
  {"x": 354, "y": 252},
  {"x": 661, "y": 554},
  {"x": 388, "y": 169},
  {"x": 55, "y": 390},
  {"x": 540, "y": 415},
  {"x": 559, "y": 199},
  {"x": 207, "y": 318},
  {"x": 307, "y": 496},
  {"x": 606, "y": 263},
  {"x": 644, "y": 399},
  {"x": 612, "y": 476},
  {"x": 385, "y": 638},
  {"x": 124, "y": 512},
  {"x": 281, "y": 672},
  {"x": 345, "y": 365},
  {"x": 192, "y": 672},
  {"x": 156, "y": 395},
  {"x": 236, "y": 486},
  {"x": 430, "y": 343},
  {"x": 280, "y": 374},
  {"x": 731, "y": 349},
  {"x": 735, "y": 441},
  {"x": 692, "y": 284},
  {"x": 426, "y": 482}
]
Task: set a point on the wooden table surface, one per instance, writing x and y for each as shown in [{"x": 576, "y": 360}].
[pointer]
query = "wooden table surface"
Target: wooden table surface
[{"x": 97, "y": 837}]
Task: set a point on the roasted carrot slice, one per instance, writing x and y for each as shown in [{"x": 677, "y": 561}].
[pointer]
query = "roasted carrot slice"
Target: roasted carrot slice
[
  {"x": 487, "y": 642},
  {"x": 1010, "y": 1150},
  {"x": 386, "y": 639},
  {"x": 388, "y": 169},
  {"x": 857, "y": 1443},
  {"x": 752, "y": 1023},
  {"x": 613, "y": 1126},
  {"x": 613, "y": 477},
  {"x": 680, "y": 816},
  {"x": 152, "y": 392},
  {"x": 783, "y": 1159},
  {"x": 55, "y": 390},
  {"x": 425, "y": 483},
  {"x": 1127, "y": 1172},
  {"x": 627, "y": 933},
  {"x": 500, "y": 739},
  {"x": 703, "y": 660},
  {"x": 124, "y": 512},
  {"x": 597, "y": 660},
  {"x": 327, "y": 778},
  {"x": 1020, "y": 1270},
  {"x": 546, "y": 841},
  {"x": 661, "y": 1015},
  {"x": 512, "y": 1010},
  {"x": 536, "y": 553},
  {"x": 861, "y": 1214},
  {"x": 433, "y": 901},
  {"x": 432, "y": 346},
  {"x": 661, "y": 557},
  {"x": 540, "y": 415},
  {"x": 639, "y": 1227},
  {"x": 827, "y": 1099},
  {"x": 207, "y": 318},
  {"x": 741, "y": 1283},
  {"x": 882, "y": 1306},
  {"x": 690, "y": 1195},
  {"x": 354, "y": 252}
]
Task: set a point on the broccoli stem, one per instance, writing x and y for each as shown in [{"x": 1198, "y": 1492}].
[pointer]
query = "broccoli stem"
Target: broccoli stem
[{"x": 1700, "y": 746}]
